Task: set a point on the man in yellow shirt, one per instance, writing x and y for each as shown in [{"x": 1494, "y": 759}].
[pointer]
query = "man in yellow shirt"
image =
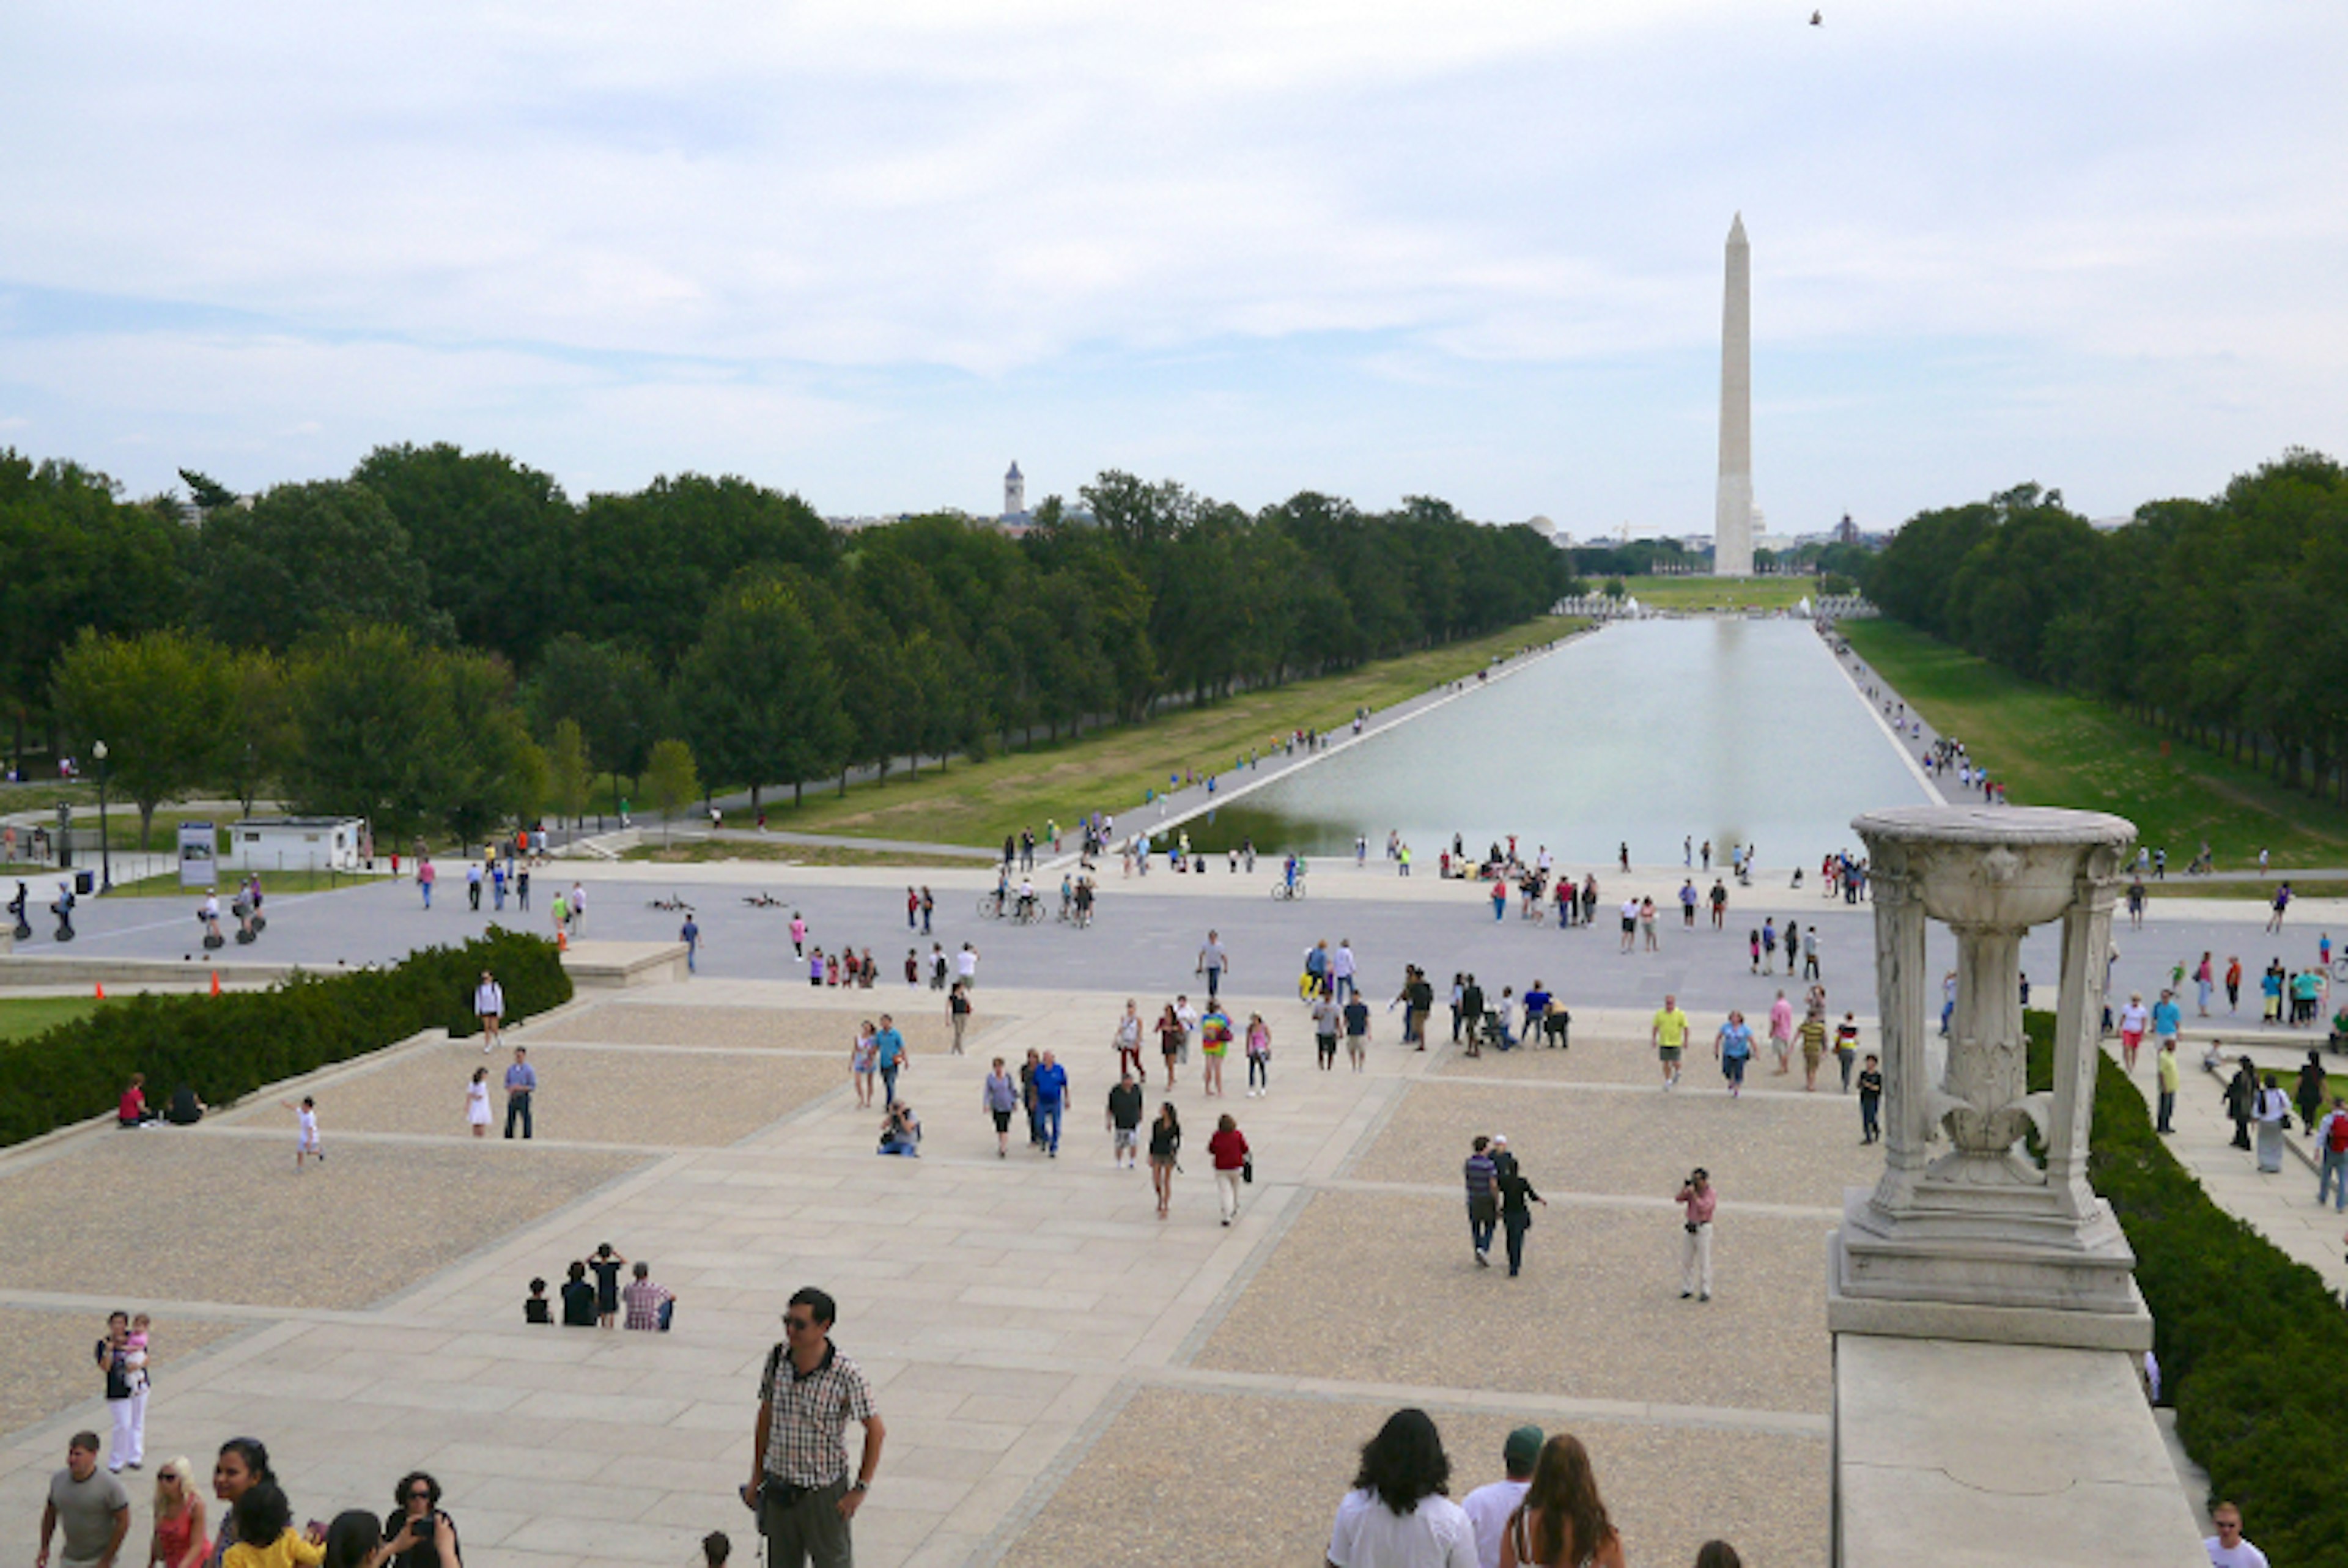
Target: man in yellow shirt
[
  {"x": 2167, "y": 1063},
  {"x": 1669, "y": 1037}
]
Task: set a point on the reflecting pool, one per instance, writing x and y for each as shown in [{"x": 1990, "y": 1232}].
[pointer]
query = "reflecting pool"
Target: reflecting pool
[{"x": 1644, "y": 732}]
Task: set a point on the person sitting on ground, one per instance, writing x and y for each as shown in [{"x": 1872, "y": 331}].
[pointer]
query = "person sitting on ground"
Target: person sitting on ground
[
  {"x": 429, "y": 1535},
  {"x": 185, "y": 1110},
  {"x": 649, "y": 1304},
  {"x": 132, "y": 1110},
  {"x": 901, "y": 1131},
  {"x": 536, "y": 1309},
  {"x": 578, "y": 1298}
]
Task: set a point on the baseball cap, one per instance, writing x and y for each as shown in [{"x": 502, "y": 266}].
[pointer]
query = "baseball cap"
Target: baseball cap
[{"x": 1521, "y": 1449}]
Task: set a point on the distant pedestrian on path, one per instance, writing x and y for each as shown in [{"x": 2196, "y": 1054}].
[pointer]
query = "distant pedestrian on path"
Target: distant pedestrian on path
[
  {"x": 1165, "y": 1154},
  {"x": 998, "y": 1097},
  {"x": 2242, "y": 1097},
  {"x": 1228, "y": 1150},
  {"x": 1051, "y": 1086},
  {"x": 958, "y": 1015},
  {"x": 1870, "y": 1100},
  {"x": 1170, "y": 1034},
  {"x": 1213, "y": 963},
  {"x": 1481, "y": 1176},
  {"x": 2272, "y": 1110},
  {"x": 2332, "y": 1149},
  {"x": 863, "y": 1061},
  {"x": 1732, "y": 1048},
  {"x": 2310, "y": 1091},
  {"x": 893, "y": 1056},
  {"x": 2281, "y": 903},
  {"x": 489, "y": 1007},
  {"x": 1257, "y": 1045},
  {"x": 690, "y": 935},
  {"x": 1516, "y": 1218},
  {"x": 1668, "y": 1034},
  {"x": 425, "y": 878},
  {"x": 1128, "y": 1040},
  {"x": 521, "y": 1084},
  {"x": 306, "y": 1141},
  {"x": 1700, "y": 1203},
  {"x": 477, "y": 1102},
  {"x": 2164, "y": 1064},
  {"x": 1123, "y": 1120},
  {"x": 2233, "y": 984}
]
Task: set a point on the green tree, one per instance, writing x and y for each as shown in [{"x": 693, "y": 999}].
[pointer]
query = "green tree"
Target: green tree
[
  {"x": 758, "y": 694},
  {"x": 612, "y": 692},
  {"x": 161, "y": 702},
  {"x": 254, "y": 738},
  {"x": 570, "y": 775},
  {"x": 304, "y": 557},
  {"x": 672, "y": 780},
  {"x": 485, "y": 770},
  {"x": 479, "y": 524},
  {"x": 367, "y": 709}
]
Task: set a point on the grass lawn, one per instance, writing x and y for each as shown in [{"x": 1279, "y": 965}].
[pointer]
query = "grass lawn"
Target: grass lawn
[
  {"x": 978, "y": 802},
  {"x": 274, "y": 884},
  {"x": 2261, "y": 890},
  {"x": 21, "y": 1016},
  {"x": 1717, "y": 592},
  {"x": 2052, "y": 748},
  {"x": 700, "y": 852}
]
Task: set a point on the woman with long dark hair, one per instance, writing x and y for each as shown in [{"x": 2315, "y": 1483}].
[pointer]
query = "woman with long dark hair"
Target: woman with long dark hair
[
  {"x": 1561, "y": 1523},
  {"x": 1164, "y": 1149},
  {"x": 1398, "y": 1516},
  {"x": 243, "y": 1464}
]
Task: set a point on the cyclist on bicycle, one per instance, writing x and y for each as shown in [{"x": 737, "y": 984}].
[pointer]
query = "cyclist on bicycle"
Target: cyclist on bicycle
[{"x": 1027, "y": 898}]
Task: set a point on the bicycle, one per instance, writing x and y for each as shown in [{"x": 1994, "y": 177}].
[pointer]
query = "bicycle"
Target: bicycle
[
  {"x": 1028, "y": 911},
  {"x": 1285, "y": 892},
  {"x": 989, "y": 905}
]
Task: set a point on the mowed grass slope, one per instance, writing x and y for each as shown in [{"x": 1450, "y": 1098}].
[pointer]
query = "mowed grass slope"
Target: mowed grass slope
[
  {"x": 1695, "y": 593},
  {"x": 2052, "y": 748},
  {"x": 979, "y": 803}
]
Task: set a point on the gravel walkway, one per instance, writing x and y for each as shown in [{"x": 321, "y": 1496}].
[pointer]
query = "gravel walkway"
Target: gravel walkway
[
  {"x": 594, "y": 1096},
  {"x": 1641, "y": 1144},
  {"x": 1380, "y": 1288},
  {"x": 1181, "y": 1477},
  {"x": 45, "y": 1365},
  {"x": 372, "y": 1221}
]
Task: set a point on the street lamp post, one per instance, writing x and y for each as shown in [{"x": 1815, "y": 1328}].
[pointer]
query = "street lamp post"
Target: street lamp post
[{"x": 105, "y": 847}]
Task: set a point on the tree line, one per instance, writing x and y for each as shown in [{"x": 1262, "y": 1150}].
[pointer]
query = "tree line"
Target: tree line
[
  {"x": 2219, "y": 620},
  {"x": 445, "y": 641}
]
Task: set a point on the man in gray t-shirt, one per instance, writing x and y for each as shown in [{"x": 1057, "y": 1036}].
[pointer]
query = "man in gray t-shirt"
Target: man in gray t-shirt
[{"x": 90, "y": 1504}]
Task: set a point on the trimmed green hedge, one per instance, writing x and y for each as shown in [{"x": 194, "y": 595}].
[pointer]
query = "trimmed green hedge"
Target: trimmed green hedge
[
  {"x": 227, "y": 1046},
  {"x": 2253, "y": 1346}
]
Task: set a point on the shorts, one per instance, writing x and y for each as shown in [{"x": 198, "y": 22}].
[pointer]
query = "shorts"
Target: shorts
[
  {"x": 2131, "y": 1038},
  {"x": 1630, "y": 926},
  {"x": 1003, "y": 1121},
  {"x": 1129, "y": 1138},
  {"x": 1354, "y": 1044},
  {"x": 1810, "y": 1054},
  {"x": 1668, "y": 1052}
]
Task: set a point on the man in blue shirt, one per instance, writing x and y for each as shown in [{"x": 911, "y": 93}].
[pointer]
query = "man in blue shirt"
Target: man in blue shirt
[
  {"x": 1536, "y": 1010},
  {"x": 890, "y": 1046},
  {"x": 2167, "y": 1019},
  {"x": 690, "y": 935},
  {"x": 1051, "y": 1095},
  {"x": 522, "y": 1082}
]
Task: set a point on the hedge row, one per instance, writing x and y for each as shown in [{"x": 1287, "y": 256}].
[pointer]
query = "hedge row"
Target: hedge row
[
  {"x": 227, "y": 1046},
  {"x": 2253, "y": 1346}
]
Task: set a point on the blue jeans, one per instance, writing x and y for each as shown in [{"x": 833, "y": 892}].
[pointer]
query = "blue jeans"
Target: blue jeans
[
  {"x": 1481, "y": 1223},
  {"x": 427, "y": 887},
  {"x": 889, "y": 1077},
  {"x": 2334, "y": 1180},
  {"x": 1047, "y": 1124}
]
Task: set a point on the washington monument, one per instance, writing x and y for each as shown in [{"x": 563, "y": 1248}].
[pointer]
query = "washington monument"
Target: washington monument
[{"x": 1732, "y": 547}]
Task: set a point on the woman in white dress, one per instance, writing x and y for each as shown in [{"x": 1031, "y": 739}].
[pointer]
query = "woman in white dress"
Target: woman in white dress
[{"x": 477, "y": 1102}]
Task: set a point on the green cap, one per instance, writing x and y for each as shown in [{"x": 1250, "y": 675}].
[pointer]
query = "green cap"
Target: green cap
[{"x": 1524, "y": 1447}]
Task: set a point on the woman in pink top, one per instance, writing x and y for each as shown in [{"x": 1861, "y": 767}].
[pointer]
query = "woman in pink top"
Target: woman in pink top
[
  {"x": 1781, "y": 1032},
  {"x": 1700, "y": 1201}
]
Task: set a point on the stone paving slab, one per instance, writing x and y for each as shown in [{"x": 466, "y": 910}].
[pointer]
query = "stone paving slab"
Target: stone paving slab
[
  {"x": 829, "y": 1029},
  {"x": 46, "y": 1367},
  {"x": 1639, "y": 1143},
  {"x": 1357, "y": 1285},
  {"x": 372, "y": 1221},
  {"x": 1185, "y": 1477},
  {"x": 596, "y": 1096}
]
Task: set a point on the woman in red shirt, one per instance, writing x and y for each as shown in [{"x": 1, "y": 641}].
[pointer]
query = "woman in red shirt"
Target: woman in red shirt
[
  {"x": 132, "y": 1111},
  {"x": 1229, "y": 1148}
]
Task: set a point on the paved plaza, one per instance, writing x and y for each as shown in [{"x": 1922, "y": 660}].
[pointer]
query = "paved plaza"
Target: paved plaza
[{"x": 1065, "y": 1377}]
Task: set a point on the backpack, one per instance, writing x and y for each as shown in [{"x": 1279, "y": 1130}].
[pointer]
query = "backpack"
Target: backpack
[{"x": 2336, "y": 1139}]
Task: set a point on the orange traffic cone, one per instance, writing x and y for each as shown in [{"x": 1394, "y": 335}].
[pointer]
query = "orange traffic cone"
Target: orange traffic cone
[
  {"x": 101, "y": 991},
  {"x": 215, "y": 983}
]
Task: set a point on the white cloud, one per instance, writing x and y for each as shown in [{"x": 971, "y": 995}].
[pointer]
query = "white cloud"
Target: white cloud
[{"x": 1372, "y": 248}]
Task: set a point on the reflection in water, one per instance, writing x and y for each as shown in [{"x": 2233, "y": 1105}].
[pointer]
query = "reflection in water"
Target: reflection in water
[{"x": 1732, "y": 730}]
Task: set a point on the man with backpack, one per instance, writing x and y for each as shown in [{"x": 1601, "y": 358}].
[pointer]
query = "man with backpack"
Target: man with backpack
[{"x": 2332, "y": 1145}]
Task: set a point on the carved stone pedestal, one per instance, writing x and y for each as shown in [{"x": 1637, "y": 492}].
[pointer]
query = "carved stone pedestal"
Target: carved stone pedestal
[{"x": 1978, "y": 1242}]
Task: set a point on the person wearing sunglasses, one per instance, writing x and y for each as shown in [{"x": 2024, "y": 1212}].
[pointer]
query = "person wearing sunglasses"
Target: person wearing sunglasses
[
  {"x": 799, "y": 1485},
  {"x": 179, "y": 1539},
  {"x": 418, "y": 1535}
]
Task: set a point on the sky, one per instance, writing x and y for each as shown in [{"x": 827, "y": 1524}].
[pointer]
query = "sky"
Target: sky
[{"x": 874, "y": 252}]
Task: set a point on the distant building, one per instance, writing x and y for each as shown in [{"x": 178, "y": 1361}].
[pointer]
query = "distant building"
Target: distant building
[
  {"x": 1846, "y": 531},
  {"x": 1014, "y": 494}
]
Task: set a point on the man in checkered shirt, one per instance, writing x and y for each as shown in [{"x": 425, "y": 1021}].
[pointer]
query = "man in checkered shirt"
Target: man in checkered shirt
[{"x": 798, "y": 1481}]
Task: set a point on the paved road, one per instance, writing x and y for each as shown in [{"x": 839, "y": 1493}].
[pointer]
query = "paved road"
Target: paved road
[{"x": 1149, "y": 931}]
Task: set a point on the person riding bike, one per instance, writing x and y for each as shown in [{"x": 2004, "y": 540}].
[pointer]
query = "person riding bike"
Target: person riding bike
[{"x": 1026, "y": 906}]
